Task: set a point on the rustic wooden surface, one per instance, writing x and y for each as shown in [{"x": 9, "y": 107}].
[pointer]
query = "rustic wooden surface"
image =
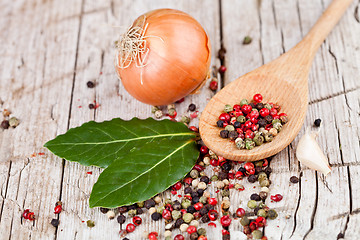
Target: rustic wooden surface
[{"x": 50, "y": 49}]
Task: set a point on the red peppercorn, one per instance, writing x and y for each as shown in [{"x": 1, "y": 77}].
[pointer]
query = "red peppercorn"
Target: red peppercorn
[
  {"x": 202, "y": 238},
  {"x": 222, "y": 69},
  {"x": 25, "y": 213},
  {"x": 137, "y": 220},
  {"x": 204, "y": 150},
  {"x": 191, "y": 229},
  {"x": 258, "y": 98},
  {"x": 221, "y": 160},
  {"x": 224, "y": 232},
  {"x": 197, "y": 215},
  {"x": 276, "y": 117},
  {"x": 169, "y": 207},
  {"x": 273, "y": 112},
  {"x": 153, "y": 236},
  {"x": 213, "y": 85},
  {"x": 225, "y": 221},
  {"x": 265, "y": 162},
  {"x": 254, "y": 127},
  {"x": 276, "y": 198},
  {"x": 183, "y": 211},
  {"x": 198, "y": 206},
  {"x": 246, "y": 109},
  {"x": 253, "y": 226},
  {"x": 264, "y": 112},
  {"x": 130, "y": 228},
  {"x": 58, "y": 209},
  {"x": 194, "y": 129},
  {"x": 225, "y": 124},
  {"x": 213, "y": 215},
  {"x": 31, "y": 216},
  {"x": 237, "y": 108},
  {"x": 254, "y": 121},
  {"x": 173, "y": 115},
  {"x": 248, "y": 124},
  {"x": 177, "y": 186},
  {"x": 240, "y": 212},
  {"x": 251, "y": 171},
  {"x": 239, "y": 175},
  {"x": 198, "y": 167},
  {"x": 248, "y": 166},
  {"x": 249, "y": 134},
  {"x": 268, "y": 126},
  {"x": 212, "y": 201},
  {"x": 188, "y": 180},
  {"x": 224, "y": 117},
  {"x": 179, "y": 237},
  {"x": 238, "y": 113},
  {"x": 254, "y": 114},
  {"x": 261, "y": 221},
  {"x": 239, "y": 130},
  {"x": 283, "y": 115},
  {"x": 232, "y": 114},
  {"x": 166, "y": 214},
  {"x": 231, "y": 175},
  {"x": 214, "y": 162}
]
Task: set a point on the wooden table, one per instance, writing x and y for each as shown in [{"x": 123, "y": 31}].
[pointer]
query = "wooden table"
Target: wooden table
[{"x": 51, "y": 49}]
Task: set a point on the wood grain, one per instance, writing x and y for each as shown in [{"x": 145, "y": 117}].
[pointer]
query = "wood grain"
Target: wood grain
[{"x": 50, "y": 49}]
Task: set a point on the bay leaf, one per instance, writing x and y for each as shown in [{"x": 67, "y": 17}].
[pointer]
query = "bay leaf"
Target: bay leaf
[
  {"x": 145, "y": 172},
  {"x": 99, "y": 144}
]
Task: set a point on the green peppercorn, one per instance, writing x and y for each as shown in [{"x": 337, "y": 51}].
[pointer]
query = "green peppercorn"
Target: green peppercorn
[
  {"x": 201, "y": 231},
  {"x": 259, "y": 163},
  {"x": 258, "y": 140},
  {"x": 160, "y": 209},
  {"x": 194, "y": 173},
  {"x": 214, "y": 178},
  {"x": 244, "y": 221},
  {"x": 277, "y": 126},
  {"x": 284, "y": 119},
  {"x": 247, "y": 40},
  {"x": 168, "y": 201},
  {"x": 132, "y": 212},
  {"x": 168, "y": 238},
  {"x": 261, "y": 204},
  {"x": 249, "y": 144},
  {"x": 185, "y": 119},
  {"x": 262, "y": 176},
  {"x": 261, "y": 213},
  {"x": 243, "y": 102},
  {"x": 275, "y": 121},
  {"x": 265, "y": 183},
  {"x": 241, "y": 119},
  {"x": 14, "y": 122},
  {"x": 252, "y": 204},
  {"x": 203, "y": 200},
  {"x": 268, "y": 137},
  {"x": 140, "y": 204},
  {"x": 90, "y": 223},
  {"x": 240, "y": 144},
  {"x": 188, "y": 217},
  {"x": 272, "y": 214},
  {"x": 257, "y": 234},
  {"x": 225, "y": 193},
  {"x": 229, "y": 128},
  {"x": 176, "y": 214},
  {"x": 154, "y": 109},
  {"x": 228, "y": 108},
  {"x": 268, "y": 106},
  {"x": 185, "y": 203},
  {"x": 171, "y": 112},
  {"x": 263, "y": 131}
]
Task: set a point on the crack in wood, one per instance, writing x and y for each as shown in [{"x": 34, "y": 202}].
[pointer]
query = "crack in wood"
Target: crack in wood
[
  {"x": 333, "y": 95},
  {"x": 298, "y": 203},
  {"x": 312, "y": 220},
  {"x": 356, "y": 13},
  {"x": 260, "y": 32},
  {"x": 6, "y": 188}
]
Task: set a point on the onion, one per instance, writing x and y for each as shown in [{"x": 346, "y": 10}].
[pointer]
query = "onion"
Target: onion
[{"x": 164, "y": 56}]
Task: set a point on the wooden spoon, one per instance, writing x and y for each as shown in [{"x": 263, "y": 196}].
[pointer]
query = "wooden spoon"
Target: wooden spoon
[{"x": 283, "y": 81}]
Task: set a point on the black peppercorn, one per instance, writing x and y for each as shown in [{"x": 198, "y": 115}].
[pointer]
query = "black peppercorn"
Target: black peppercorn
[
  {"x": 194, "y": 236},
  {"x": 209, "y": 206},
  {"x": 317, "y": 122},
  {"x": 226, "y": 237},
  {"x": 262, "y": 122},
  {"x": 195, "y": 200},
  {"x": 226, "y": 166},
  {"x": 194, "y": 194},
  {"x": 222, "y": 175},
  {"x": 255, "y": 197},
  {"x": 268, "y": 170},
  {"x": 149, "y": 203},
  {"x": 192, "y": 107},
  {"x": 252, "y": 105},
  {"x": 187, "y": 190},
  {"x": 220, "y": 123},
  {"x": 224, "y": 133},
  {"x": 91, "y": 106},
  {"x": 178, "y": 222},
  {"x": 176, "y": 205},
  {"x": 263, "y": 195},
  {"x": 139, "y": 211},
  {"x": 237, "y": 124},
  {"x": 221, "y": 53},
  {"x": 203, "y": 211},
  {"x": 155, "y": 216},
  {"x": 205, "y": 218},
  {"x": 243, "y": 170},
  {"x": 233, "y": 135},
  {"x": 121, "y": 219},
  {"x": 55, "y": 222},
  {"x": 132, "y": 207},
  {"x": 259, "y": 106},
  {"x": 191, "y": 209},
  {"x": 258, "y": 170},
  {"x": 294, "y": 179},
  {"x": 200, "y": 192},
  {"x": 269, "y": 118},
  {"x": 205, "y": 179},
  {"x": 104, "y": 210},
  {"x": 90, "y": 84},
  {"x": 252, "y": 178},
  {"x": 5, "y": 124},
  {"x": 123, "y": 209}
]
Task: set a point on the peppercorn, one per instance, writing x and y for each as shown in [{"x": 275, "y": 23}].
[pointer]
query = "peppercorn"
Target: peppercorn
[
  {"x": 222, "y": 175},
  {"x": 225, "y": 193},
  {"x": 149, "y": 203},
  {"x": 262, "y": 122},
  {"x": 14, "y": 122},
  {"x": 176, "y": 214},
  {"x": 154, "y": 109},
  {"x": 204, "y": 179},
  {"x": 258, "y": 139},
  {"x": 230, "y": 128},
  {"x": 194, "y": 173},
  {"x": 284, "y": 119},
  {"x": 259, "y": 106},
  {"x": 121, "y": 219},
  {"x": 178, "y": 222},
  {"x": 268, "y": 137},
  {"x": 232, "y": 134},
  {"x": 90, "y": 84},
  {"x": 263, "y": 195},
  {"x": 6, "y": 112},
  {"x": 220, "y": 123},
  {"x": 192, "y": 107},
  {"x": 257, "y": 234},
  {"x": 240, "y": 143},
  {"x": 194, "y": 236},
  {"x": 262, "y": 176},
  {"x": 202, "y": 185},
  {"x": 255, "y": 197},
  {"x": 249, "y": 144},
  {"x": 268, "y": 118},
  {"x": 252, "y": 178},
  {"x": 155, "y": 216},
  {"x": 247, "y": 40},
  {"x": 228, "y": 108},
  {"x": 90, "y": 223},
  {"x": 272, "y": 214},
  {"x": 122, "y": 209},
  {"x": 244, "y": 221},
  {"x": 252, "y": 204},
  {"x": 265, "y": 183},
  {"x": 278, "y": 126},
  {"x": 191, "y": 209},
  {"x": 188, "y": 217},
  {"x": 268, "y": 170},
  {"x": 158, "y": 114},
  {"x": 111, "y": 214},
  {"x": 294, "y": 179},
  {"x": 261, "y": 213},
  {"x": 55, "y": 222},
  {"x": 224, "y": 133},
  {"x": 185, "y": 203},
  {"x": 226, "y": 166},
  {"x": 5, "y": 124},
  {"x": 185, "y": 119},
  {"x": 317, "y": 122},
  {"x": 160, "y": 209},
  {"x": 241, "y": 119}
]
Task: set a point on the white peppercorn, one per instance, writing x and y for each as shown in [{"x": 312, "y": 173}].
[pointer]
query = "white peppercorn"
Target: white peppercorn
[
  {"x": 110, "y": 214},
  {"x": 202, "y": 185},
  {"x": 195, "y": 183},
  {"x": 184, "y": 227},
  {"x": 167, "y": 233}
]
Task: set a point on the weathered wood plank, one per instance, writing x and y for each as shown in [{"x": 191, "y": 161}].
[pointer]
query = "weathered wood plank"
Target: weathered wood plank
[
  {"x": 99, "y": 30},
  {"x": 37, "y": 59}
]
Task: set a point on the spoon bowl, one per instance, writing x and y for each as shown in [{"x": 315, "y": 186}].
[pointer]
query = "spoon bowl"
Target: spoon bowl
[{"x": 283, "y": 81}]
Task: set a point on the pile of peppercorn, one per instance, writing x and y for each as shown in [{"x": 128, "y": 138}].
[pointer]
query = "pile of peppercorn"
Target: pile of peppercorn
[
  {"x": 192, "y": 204},
  {"x": 251, "y": 124}
]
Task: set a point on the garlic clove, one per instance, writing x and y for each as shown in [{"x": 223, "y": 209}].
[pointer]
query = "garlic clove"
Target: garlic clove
[{"x": 310, "y": 154}]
